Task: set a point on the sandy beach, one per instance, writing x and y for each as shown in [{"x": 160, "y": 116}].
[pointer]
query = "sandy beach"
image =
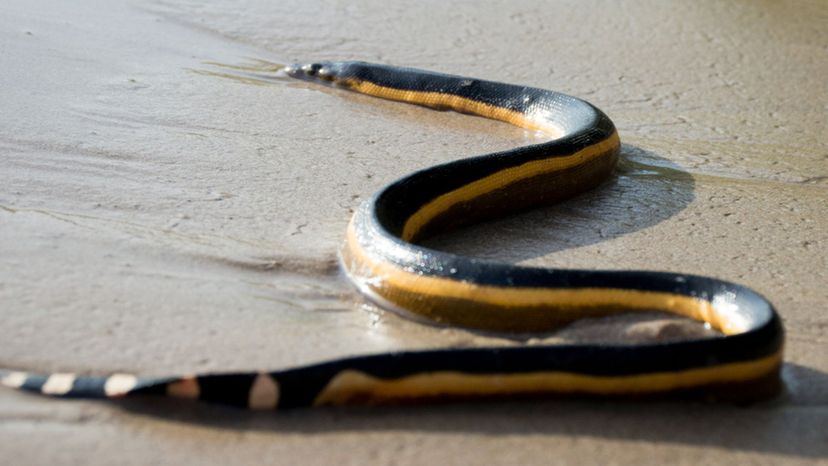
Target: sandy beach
[{"x": 168, "y": 205}]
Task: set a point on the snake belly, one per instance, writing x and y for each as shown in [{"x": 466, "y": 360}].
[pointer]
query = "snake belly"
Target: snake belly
[{"x": 383, "y": 257}]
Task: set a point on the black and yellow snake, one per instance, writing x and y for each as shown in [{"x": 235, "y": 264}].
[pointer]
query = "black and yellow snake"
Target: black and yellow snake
[{"x": 382, "y": 256}]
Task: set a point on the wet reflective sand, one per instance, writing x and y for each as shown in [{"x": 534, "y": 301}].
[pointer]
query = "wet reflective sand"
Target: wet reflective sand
[{"x": 163, "y": 212}]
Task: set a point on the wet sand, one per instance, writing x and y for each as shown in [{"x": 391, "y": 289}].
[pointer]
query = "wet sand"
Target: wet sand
[{"x": 161, "y": 213}]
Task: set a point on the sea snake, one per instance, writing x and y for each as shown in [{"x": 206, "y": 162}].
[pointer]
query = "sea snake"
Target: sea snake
[{"x": 384, "y": 258}]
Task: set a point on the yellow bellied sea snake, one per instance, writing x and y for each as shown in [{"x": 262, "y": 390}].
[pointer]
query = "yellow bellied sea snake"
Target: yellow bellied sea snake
[{"x": 382, "y": 256}]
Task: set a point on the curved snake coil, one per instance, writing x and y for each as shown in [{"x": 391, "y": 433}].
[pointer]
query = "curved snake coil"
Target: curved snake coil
[{"x": 382, "y": 256}]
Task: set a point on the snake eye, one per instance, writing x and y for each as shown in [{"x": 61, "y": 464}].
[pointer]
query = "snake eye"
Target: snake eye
[{"x": 312, "y": 69}]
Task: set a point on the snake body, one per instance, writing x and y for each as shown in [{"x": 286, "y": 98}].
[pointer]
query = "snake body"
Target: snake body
[{"x": 382, "y": 255}]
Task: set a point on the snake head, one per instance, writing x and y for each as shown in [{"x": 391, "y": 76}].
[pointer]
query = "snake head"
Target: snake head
[{"x": 321, "y": 72}]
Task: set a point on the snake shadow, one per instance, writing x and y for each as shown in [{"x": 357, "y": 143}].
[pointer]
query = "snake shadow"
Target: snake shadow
[
  {"x": 646, "y": 189},
  {"x": 791, "y": 425}
]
